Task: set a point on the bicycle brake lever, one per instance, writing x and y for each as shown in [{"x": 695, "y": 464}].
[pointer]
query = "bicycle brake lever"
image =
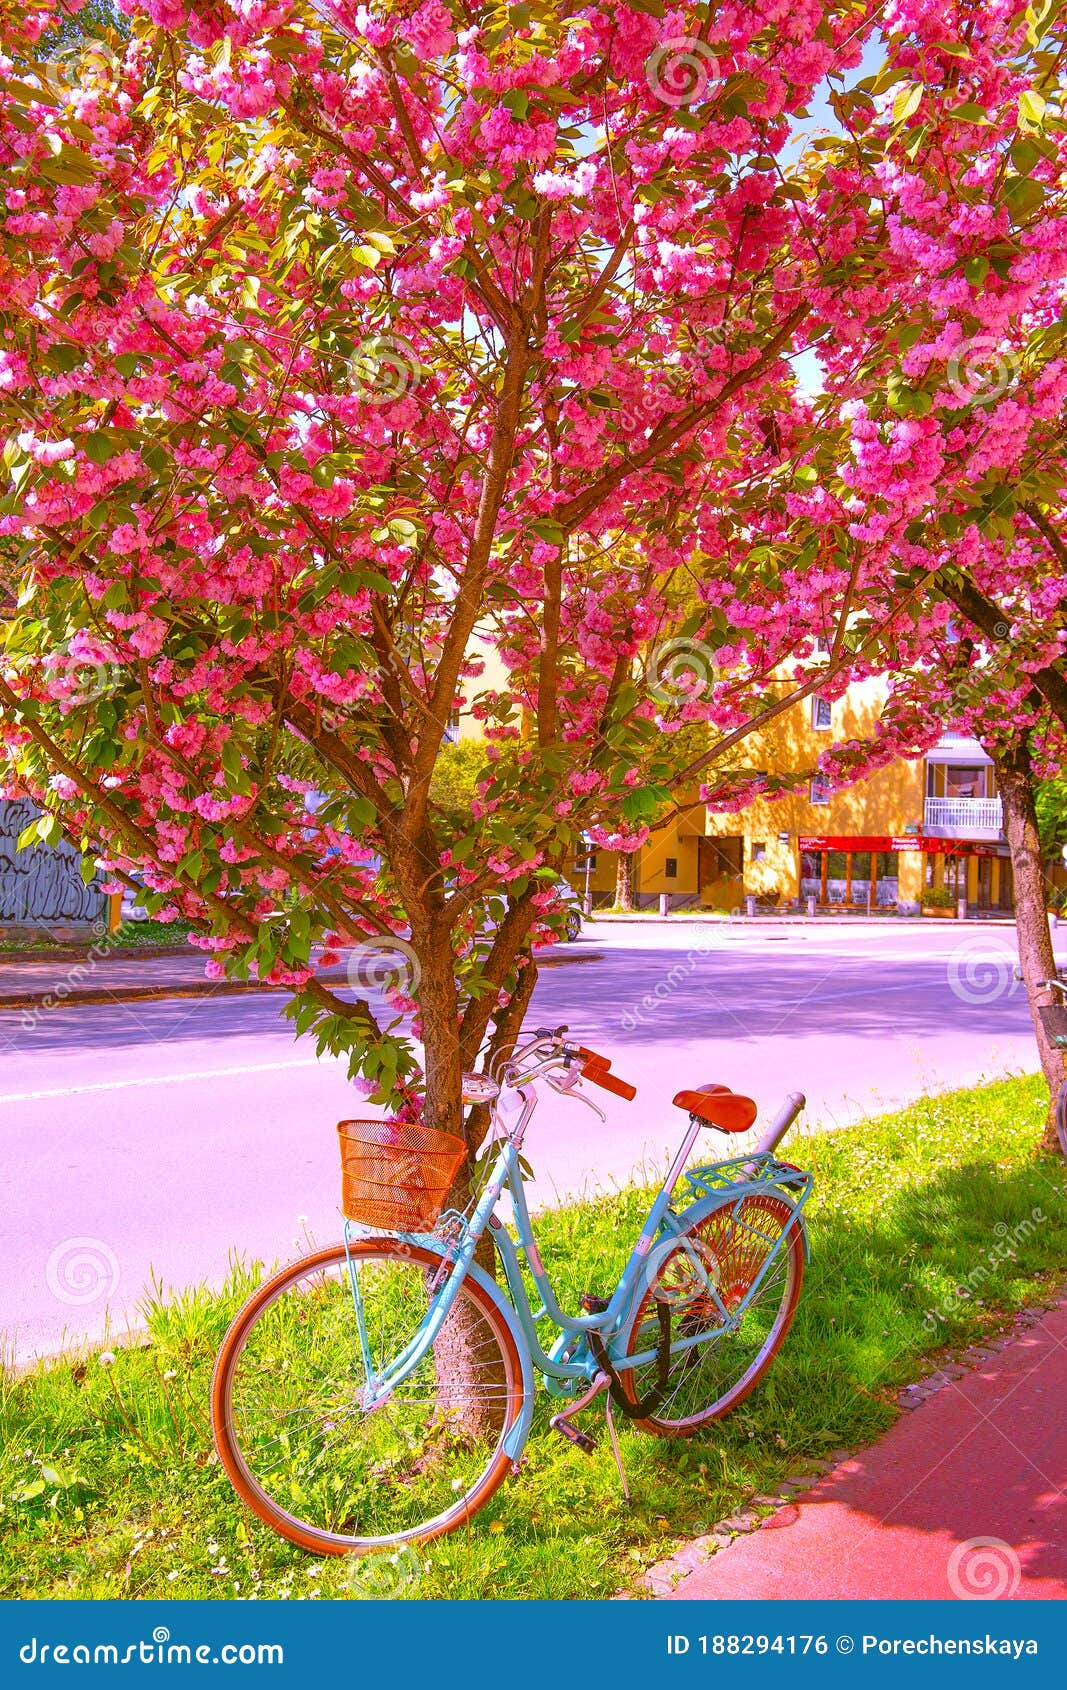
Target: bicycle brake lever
[{"x": 569, "y": 1089}]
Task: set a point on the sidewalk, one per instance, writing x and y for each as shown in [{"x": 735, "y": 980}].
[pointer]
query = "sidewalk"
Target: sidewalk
[
  {"x": 125, "y": 976},
  {"x": 965, "y": 1497},
  {"x": 841, "y": 920}
]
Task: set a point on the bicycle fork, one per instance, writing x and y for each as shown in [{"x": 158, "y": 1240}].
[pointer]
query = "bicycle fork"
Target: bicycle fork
[{"x": 561, "y": 1422}]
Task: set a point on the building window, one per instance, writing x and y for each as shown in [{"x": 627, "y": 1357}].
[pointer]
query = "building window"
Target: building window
[
  {"x": 670, "y": 868},
  {"x": 822, "y": 646},
  {"x": 451, "y": 733},
  {"x": 759, "y": 850},
  {"x": 961, "y": 782},
  {"x": 821, "y": 789},
  {"x": 821, "y": 714}
]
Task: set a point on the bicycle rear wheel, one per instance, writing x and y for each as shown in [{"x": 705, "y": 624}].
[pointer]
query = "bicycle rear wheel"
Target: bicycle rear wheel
[
  {"x": 287, "y": 1402},
  {"x": 729, "y": 1248}
]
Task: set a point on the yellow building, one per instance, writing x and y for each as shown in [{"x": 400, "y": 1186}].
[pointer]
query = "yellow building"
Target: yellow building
[{"x": 912, "y": 826}]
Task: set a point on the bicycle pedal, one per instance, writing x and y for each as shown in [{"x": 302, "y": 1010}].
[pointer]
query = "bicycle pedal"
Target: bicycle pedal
[
  {"x": 581, "y": 1440},
  {"x": 594, "y": 1305}
]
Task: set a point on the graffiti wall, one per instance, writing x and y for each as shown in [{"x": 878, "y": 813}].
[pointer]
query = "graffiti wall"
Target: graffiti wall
[{"x": 41, "y": 886}]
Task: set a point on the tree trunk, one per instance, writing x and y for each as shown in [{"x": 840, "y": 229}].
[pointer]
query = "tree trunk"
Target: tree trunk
[
  {"x": 624, "y": 881},
  {"x": 465, "y": 1387},
  {"x": 1015, "y": 779}
]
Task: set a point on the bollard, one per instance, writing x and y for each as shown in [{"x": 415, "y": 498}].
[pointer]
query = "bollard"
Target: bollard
[
  {"x": 664, "y": 903},
  {"x": 961, "y": 909},
  {"x": 750, "y": 905},
  {"x": 811, "y": 906}
]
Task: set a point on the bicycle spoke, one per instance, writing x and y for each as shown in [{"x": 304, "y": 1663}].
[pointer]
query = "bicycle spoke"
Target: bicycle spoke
[
  {"x": 744, "y": 1259},
  {"x": 301, "y": 1434}
]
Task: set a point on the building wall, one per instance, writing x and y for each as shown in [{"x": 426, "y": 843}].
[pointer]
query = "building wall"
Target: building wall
[
  {"x": 39, "y": 886},
  {"x": 719, "y": 858},
  {"x": 889, "y": 803}
]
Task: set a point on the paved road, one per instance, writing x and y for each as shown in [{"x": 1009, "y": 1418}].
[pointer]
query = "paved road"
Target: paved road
[{"x": 157, "y": 1137}]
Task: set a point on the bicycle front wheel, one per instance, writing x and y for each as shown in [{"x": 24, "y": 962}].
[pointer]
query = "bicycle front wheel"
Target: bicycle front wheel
[
  {"x": 729, "y": 1249},
  {"x": 289, "y": 1402}
]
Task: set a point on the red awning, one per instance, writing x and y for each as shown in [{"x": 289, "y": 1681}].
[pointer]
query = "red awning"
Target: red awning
[{"x": 910, "y": 842}]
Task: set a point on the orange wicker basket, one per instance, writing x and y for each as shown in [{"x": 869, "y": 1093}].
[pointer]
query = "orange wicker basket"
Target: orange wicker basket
[{"x": 396, "y": 1175}]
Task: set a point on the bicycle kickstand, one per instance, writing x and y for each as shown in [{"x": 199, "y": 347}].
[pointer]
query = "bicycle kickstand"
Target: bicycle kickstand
[{"x": 581, "y": 1440}]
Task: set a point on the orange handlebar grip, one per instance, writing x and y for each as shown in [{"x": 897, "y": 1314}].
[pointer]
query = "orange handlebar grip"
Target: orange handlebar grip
[{"x": 610, "y": 1082}]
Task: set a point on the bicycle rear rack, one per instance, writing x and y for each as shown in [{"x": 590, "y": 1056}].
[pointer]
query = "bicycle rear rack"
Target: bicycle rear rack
[{"x": 751, "y": 1174}]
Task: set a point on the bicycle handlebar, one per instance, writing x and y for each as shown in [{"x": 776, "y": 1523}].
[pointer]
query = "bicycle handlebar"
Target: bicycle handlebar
[
  {"x": 608, "y": 1082},
  {"x": 594, "y": 1067}
]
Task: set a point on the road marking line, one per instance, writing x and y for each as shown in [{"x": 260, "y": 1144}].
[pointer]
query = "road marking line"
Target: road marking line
[{"x": 159, "y": 1080}]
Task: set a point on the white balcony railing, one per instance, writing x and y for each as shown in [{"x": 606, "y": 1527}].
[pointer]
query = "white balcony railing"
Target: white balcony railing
[{"x": 964, "y": 816}]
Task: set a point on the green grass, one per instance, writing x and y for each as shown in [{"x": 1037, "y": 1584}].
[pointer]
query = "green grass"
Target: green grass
[
  {"x": 130, "y": 934},
  {"x": 109, "y": 1487},
  {"x": 152, "y": 933}
]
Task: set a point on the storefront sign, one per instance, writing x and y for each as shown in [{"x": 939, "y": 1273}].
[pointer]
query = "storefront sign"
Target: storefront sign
[
  {"x": 856, "y": 844},
  {"x": 910, "y": 842}
]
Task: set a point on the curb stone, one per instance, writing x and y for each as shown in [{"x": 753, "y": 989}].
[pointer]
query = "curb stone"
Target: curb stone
[{"x": 196, "y": 988}]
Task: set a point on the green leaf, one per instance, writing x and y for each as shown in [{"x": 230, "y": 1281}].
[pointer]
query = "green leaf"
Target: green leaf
[
  {"x": 102, "y": 444},
  {"x": 403, "y": 531},
  {"x": 69, "y": 165},
  {"x": 65, "y": 358},
  {"x": 1023, "y": 195},
  {"x": 1032, "y": 106},
  {"x": 976, "y": 270},
  {"x": 549, "y": 531},
  {"x": 907, "y": 102}
]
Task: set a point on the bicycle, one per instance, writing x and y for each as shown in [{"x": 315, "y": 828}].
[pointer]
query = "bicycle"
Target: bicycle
[{"x": 379, "y": 1391}]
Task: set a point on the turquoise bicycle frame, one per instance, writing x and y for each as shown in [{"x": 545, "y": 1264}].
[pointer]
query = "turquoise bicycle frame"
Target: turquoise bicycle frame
[{"x": 572, "y": 1363}]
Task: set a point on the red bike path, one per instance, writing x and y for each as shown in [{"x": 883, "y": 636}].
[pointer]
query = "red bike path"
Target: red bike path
[{"x": 965, "y": 1497}]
